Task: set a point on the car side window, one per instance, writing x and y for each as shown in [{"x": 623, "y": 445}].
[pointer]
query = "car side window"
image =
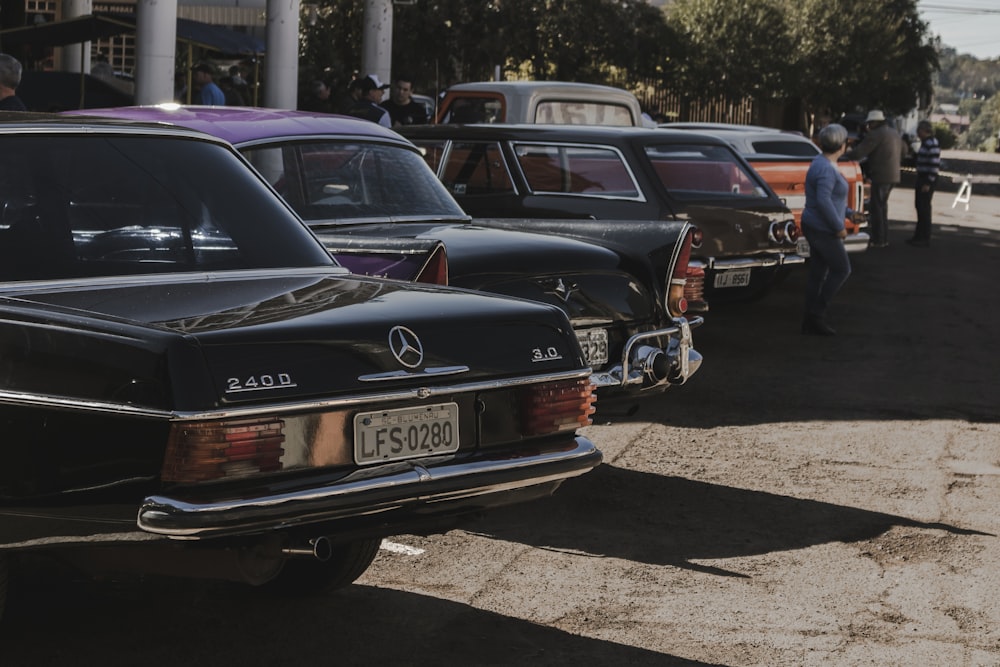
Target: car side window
[
  {"x": 598, "y": 171},
  {"x": 692, "y": 171},
  {"x": 476, "y": 168}
]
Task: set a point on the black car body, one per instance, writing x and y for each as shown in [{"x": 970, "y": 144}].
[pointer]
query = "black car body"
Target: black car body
[
  {"x": 189, "y": 384},
  {"x": 367, "y": 194},
  {"x": 621, "y": 173}
]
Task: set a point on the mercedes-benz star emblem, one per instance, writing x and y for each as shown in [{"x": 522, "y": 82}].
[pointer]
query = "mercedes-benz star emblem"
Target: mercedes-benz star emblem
[{"x": 406, "y": 346}]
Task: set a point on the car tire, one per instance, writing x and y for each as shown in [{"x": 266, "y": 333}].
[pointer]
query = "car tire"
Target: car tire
[{"x": 347, "y": 562}]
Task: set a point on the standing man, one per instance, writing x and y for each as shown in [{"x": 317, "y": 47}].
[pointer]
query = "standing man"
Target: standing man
[
  {"x": 371, "y": 91},
  {"x": 206, "y": 92},
  {"x": 10, "y": 79},
  {"x": 884, "y": 148},
  {"x": 400, "y": 105},
  {"x": 928, "y": 165}
]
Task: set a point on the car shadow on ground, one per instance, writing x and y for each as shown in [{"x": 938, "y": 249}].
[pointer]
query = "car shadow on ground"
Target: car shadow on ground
[
  {"x": 59, "y": 619},
  {"x": 913, "y": 327},
  {"x": 672, "y": 521}
]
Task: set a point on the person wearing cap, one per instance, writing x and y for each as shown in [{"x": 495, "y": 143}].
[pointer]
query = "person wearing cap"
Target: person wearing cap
[
  {"x": 371, "y": 91},
  {"x": 205, "y": 89},
  {"x": 884, "y": 149},
  {"x": 10, "y": 79}
]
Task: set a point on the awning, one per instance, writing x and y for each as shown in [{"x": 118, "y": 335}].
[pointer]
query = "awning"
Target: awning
[{"x": 92, "y": 27}]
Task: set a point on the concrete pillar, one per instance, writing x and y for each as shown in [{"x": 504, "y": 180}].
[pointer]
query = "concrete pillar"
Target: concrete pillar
[
  {"x": 155, "y": 47},
  {"x": 281, "y": 61},
  {"x": 376, "y": 51},
  {"x": 76, "y": 57}
]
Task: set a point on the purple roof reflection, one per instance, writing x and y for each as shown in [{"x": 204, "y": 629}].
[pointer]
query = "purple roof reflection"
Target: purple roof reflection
[{"x": 239, "y": 125}]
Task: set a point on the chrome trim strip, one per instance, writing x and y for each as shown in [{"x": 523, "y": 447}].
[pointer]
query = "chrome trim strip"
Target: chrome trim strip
[
  {"x": 66, "y": 403},
  {"x": 407, "y": 375},
  {"x": 183, "y": 520},
  {"x": 187, "y": 277}
]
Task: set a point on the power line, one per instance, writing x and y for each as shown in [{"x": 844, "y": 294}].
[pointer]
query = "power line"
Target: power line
[{"x": 951, "y": 9}]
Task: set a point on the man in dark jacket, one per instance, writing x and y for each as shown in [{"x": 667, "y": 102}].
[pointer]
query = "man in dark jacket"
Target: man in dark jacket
[
  {"x": 400, "y": 105},
  {"x": 884, "y": 149},
  {"x": 372, "y": 90}
]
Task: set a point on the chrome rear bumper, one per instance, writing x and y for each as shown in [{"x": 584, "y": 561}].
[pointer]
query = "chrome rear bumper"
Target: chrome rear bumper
[{"x": 431, "y": 486}]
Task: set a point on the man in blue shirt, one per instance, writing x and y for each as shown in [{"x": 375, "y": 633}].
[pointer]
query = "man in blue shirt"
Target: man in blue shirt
[
  {"x": 206, "y": 92},
  {"x": 928, "y": 165}
]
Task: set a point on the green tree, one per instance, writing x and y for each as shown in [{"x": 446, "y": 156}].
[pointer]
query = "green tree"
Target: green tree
[
  {"x": 734, "y": 49},
  {"x": 854, "y": 55}
]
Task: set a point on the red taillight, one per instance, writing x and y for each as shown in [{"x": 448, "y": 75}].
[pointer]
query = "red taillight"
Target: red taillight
[
  {"x": 694, "y": 289},
  {"x": 563, "y": 405},
  {"x": 792, "y": 231},
  {"x": 677, "y": 303},
  {"x": 203, "y": 451},
  {"x": 435, "y": 269}
]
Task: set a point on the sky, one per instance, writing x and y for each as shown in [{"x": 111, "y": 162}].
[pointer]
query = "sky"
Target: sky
[{"x": 968, "y": 26}]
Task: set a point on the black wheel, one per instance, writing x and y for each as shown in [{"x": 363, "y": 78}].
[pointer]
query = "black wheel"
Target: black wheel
[{"x": 311, "y": 576}]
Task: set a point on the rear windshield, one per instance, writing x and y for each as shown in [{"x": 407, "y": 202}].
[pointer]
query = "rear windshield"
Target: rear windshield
[
  {"x": 584, "y": 113},
  {"x": 785, "y": 147},
  {"x": 696, "y": 171},
  {"x": 82, "y": 206},
  {"x": 328, "y": 181}
]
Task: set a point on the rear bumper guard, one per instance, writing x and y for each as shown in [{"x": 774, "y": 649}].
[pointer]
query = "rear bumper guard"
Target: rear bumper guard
[{"x": 647, "y": 364}]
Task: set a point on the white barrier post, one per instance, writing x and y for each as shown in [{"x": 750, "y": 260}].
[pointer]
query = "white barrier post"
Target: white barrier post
[{"x": 964, "y": 194}]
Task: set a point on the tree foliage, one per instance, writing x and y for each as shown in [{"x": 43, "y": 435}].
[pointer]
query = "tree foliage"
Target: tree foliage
[
  {"x": 836, "y": 55},
  {"x": 734, "y": 49}
]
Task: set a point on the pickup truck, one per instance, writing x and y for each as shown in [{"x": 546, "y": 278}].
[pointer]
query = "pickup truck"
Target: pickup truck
[
  {"x": 782, "y": 160},
  {"x": 546, "y": 102}
]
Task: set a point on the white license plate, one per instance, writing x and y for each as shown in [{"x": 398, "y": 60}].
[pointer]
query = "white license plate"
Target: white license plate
[
  {"x": 802, "y": 246},
  {"x": 595, "y": 346},
  {"x": 732, "y": 278},
  {"x": 406, "y": 433}
]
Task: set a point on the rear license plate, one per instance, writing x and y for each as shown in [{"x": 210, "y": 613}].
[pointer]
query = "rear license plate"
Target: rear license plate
[
  {"x": 406, "y": 433},
  {"x": 802, "y": 246},
  {"x": 595, "y": 346},
  {"x": 732, "y": 278}
]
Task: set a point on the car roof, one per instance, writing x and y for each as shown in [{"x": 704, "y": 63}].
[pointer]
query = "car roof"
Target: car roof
[
  {"x": 241, "y": 125},
  {"x": 745, "y": 138},
  {"x": 525, "y": 87},
  {"x": 727, "y": 127},
  {"x": 539, "y": 132},
  {"x": 20, "y": 122}
]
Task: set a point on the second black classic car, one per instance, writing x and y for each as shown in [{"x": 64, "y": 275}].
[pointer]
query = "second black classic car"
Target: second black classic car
[
  {"x": 620, "y": 173},
  {"x": 190, "y": 385},
  {"x": 368, "y": 195}
]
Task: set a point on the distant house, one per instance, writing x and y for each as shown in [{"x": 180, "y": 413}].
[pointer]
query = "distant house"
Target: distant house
[{"x": 957, "y": 122}]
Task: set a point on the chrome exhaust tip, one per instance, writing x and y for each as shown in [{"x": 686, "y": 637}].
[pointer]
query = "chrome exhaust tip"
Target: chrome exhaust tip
[{"x": 318, "y": 548}]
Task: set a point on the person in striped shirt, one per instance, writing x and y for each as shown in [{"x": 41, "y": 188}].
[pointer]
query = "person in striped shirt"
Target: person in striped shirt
[{"x": 928, "y": 164}]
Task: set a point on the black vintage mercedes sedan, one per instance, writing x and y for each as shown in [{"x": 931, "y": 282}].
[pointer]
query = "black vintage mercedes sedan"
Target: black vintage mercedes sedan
[
  {"x": 747, "y": 234},
  {"x": 190, "y": 385},
  {"x": 369, "y": 196}
]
